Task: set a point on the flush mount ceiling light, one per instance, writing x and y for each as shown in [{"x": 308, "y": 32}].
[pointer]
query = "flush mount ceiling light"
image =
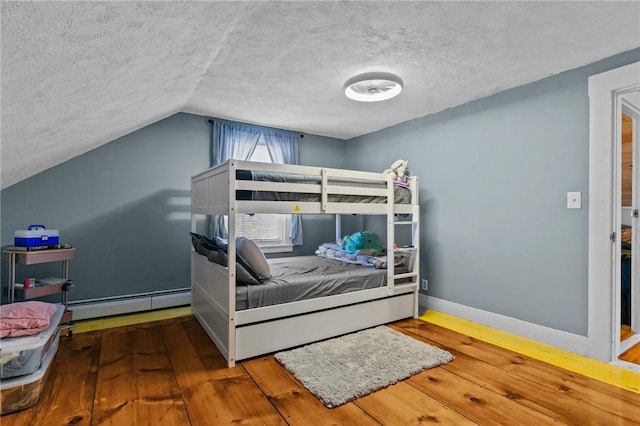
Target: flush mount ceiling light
[{"x": 373, "y": 87}]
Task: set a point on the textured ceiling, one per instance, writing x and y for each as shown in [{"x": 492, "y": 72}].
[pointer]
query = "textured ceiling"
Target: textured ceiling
[{"x": 76, "y": 75}]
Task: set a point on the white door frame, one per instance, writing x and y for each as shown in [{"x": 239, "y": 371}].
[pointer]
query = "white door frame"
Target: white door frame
[{"x": 605, "y": 91}]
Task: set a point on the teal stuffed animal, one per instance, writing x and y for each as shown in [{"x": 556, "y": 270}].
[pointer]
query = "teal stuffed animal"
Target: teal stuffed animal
[{"x": 362, "y": 241}]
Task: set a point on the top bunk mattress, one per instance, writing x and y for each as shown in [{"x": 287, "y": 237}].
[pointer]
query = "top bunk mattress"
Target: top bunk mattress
[
  {"x": 308, "y": 277},
  {"x": 402, "y": 195}
]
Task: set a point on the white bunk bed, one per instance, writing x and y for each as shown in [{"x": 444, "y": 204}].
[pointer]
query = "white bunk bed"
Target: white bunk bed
[{"x": 242, "y": 334}]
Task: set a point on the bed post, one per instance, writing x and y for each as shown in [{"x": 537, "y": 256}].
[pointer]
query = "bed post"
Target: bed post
[
  {"x": 231, "y": 264},
  {"x": 338, "y": 227},
  {"x": 415, "y": 240}
]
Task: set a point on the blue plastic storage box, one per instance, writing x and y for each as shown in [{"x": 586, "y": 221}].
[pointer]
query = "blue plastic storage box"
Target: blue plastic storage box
[{"x": 36, "y": 235}]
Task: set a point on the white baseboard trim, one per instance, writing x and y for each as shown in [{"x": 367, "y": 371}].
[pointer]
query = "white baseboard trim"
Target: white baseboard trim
[
  {"x": 128, "y": 304},
  {"x": 550, "y": 336},
  {"x": 182, "y": 298}
]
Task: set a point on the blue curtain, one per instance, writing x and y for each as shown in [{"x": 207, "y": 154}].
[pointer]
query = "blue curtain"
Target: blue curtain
[
  {"x": 230, "y": 140},
  {"x": 233, "y": 140},
  {"x": 238, "y": 141},
  {"x": 283, "y": 148}
]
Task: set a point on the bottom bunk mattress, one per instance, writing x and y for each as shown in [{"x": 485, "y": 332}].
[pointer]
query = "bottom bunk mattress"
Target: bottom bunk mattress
[{"x": 308, "y": 277}]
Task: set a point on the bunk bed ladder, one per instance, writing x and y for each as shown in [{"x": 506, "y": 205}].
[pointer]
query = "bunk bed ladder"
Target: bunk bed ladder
[
  {"x": 391, "y": 236},
  {"x": 392, "y": 250},
  {"x": 412, "y": 252}
]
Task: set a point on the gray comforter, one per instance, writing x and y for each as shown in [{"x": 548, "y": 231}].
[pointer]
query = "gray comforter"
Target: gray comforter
[{"x": 308, "y": 277}]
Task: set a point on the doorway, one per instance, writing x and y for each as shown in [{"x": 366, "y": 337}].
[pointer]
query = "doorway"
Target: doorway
[
  {"x": 629, "y": 336},
  {"x": 606, "y": 101}
]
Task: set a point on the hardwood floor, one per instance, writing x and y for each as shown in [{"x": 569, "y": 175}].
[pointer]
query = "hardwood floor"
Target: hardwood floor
[
  {"x": 632, "y": 354},
  {"x": 168, "y": 372},
  {"x": 625, "y": 332}
]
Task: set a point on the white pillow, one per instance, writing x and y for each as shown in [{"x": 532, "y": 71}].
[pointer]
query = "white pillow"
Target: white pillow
[{"x": 252, "y": 255}]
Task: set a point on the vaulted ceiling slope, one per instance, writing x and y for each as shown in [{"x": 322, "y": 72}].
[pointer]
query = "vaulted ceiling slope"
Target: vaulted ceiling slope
[{"x": 76, "y": 75}]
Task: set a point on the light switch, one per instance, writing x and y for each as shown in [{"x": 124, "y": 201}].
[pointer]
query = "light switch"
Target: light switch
[{"x": 574, "y": 200}]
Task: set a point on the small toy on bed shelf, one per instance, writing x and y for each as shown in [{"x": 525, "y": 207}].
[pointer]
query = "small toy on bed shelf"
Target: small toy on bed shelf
[{"x": 399, "y": 170}]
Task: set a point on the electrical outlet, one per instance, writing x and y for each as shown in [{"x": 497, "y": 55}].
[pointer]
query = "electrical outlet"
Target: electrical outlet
[{"x": 425, "y": 284}]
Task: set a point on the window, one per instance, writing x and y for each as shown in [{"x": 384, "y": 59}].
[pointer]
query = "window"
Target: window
[
  {"x": 241, "y": 141},
  {"x": 269, "y": 231}
]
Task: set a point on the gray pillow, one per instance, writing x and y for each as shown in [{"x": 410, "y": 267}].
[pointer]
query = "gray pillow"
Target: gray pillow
[
  {"x": 243, "y": 276},
  {"x": 218, "y": 254},
  {"x": 253, "y": 256}
]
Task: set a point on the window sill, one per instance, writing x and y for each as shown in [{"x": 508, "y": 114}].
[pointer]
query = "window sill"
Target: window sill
[{"x": 276, "y": 249}]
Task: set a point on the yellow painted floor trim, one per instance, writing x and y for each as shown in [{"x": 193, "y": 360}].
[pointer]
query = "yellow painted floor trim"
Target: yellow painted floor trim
[
  {"x": 137, "y": 318},
  {"x": 598, "y": 370}
]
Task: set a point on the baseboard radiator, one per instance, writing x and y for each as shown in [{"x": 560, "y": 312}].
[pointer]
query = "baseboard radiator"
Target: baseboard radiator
[{"x": 130, "y": 303}]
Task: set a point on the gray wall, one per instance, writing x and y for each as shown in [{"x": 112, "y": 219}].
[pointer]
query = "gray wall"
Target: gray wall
[
  {"x": 495, "y": 231},
  {"x": 125, "y": 207}
]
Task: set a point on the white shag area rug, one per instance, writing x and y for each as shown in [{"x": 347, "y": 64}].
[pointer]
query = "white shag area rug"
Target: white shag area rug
[{"x": 342, "y": 369}]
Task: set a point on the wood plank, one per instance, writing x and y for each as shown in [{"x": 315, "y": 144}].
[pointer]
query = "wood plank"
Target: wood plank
[
  {"x": 402, "y": 404},
  {"x": 475, "y": 401},
  {"x": 545, "y": 373},
  {"x": 213, "y": 393},
  {"x": 76, "y": 362},
  {"x": 626, "y": 167},
  {"x": 625, "y": 332},
  {"x": 550, "y": 402},
  {"x": 570, "y": 361},
  {"x": 556, "y": 380},
  {"x": 528, "y": 393},
  {"x": 632, "y": 354},
  {"x": 115, "y": 386},
  {"x": 136, "y": 384},
  {"x": 294, "y": 402}
]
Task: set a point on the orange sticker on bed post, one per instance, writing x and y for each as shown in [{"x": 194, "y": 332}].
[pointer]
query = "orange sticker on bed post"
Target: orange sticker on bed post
[{"x": 296, "y": 209}]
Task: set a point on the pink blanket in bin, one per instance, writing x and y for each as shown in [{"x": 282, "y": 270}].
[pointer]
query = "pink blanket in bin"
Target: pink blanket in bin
[{"x": 25, "y": 318}]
